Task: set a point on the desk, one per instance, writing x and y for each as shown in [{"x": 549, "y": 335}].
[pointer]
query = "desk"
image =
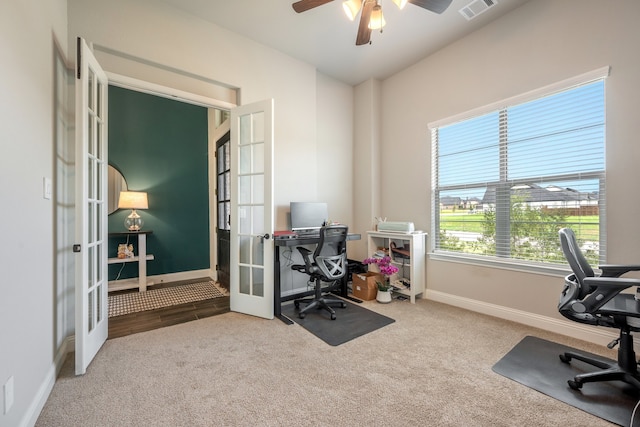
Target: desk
[{"x": 277, "y": 292}]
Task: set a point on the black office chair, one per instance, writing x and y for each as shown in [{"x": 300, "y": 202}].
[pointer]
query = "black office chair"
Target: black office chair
[
  {"x": 328, "y": 264},
  {"x": 596, "y": 300}
]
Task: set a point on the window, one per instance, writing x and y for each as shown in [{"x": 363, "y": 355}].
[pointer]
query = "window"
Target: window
[
  {"x": 223, "y": 157},
  {"x": 507, "y": 178}
]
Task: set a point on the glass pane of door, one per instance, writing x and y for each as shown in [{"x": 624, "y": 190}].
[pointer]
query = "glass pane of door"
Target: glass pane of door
[
  {"x": 252, "y": 209},
  {"x": 91, "y": 208},
  {"x": 251, "y": 225}
]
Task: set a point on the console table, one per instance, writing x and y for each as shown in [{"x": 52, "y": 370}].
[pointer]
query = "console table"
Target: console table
[{"x": 141, "y": 282}]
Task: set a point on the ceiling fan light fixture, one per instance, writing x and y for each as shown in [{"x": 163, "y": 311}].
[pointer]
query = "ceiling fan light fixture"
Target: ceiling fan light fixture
[
  {"x": 351, "y": 8},
  {"x": 370, "y": 12},
  {"x": 401, "y": 3},
  {"x": 376, "y": 22}
]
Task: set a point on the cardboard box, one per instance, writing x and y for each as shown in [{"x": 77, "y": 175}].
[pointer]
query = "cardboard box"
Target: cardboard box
[{"x": 363, "y": 285}]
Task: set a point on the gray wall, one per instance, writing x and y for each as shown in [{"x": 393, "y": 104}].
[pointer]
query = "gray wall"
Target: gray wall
[
  {"x": 36, "y": 306},
  {"x": 33, "y": 130},
  {"x": 542, "y": 42}
]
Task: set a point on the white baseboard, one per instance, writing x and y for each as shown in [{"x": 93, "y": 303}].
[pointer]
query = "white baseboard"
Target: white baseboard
[
  {"x": 132, "y": 283},
  {"x": 182, "y": 275},
  {"x": 593, "y": 334},
  {"x": 39, "y": 400}
]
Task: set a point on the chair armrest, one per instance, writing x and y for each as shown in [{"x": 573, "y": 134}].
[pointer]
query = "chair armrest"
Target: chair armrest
[
  {"x": 304, "y": 251},
  {"x": 612, "y": 283},
  {"x": 605, "y": 288},
  {"x": 306, "y": 257},
  {"x": 613, "y": 270}
]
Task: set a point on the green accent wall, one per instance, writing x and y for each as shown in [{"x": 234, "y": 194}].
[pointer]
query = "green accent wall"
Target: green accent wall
[{"x": 160, "y": 146}]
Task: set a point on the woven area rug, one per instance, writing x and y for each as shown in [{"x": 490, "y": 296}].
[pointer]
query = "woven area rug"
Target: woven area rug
[{"x": 120, "y": 304}]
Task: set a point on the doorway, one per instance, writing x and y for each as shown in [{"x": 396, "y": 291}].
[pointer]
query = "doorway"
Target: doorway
[
  {"x": 160, "y": 146},
  {"x": 155, "y": 138}
]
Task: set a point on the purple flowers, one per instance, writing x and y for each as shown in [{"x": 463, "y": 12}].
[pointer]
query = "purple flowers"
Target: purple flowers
[{"x": 384, "y": 265}]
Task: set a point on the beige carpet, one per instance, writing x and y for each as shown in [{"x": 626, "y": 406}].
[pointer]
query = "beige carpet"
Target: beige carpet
[
  {"x": 431, "y": 367},
  {"x": 133, "y": 302}
]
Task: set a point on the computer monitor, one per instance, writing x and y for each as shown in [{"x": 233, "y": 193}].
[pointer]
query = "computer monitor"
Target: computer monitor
[{"x": 308, "y": 215}]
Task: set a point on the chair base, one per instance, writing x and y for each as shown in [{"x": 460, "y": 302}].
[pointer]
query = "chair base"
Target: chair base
[
  {"x": 319, "y": 303},
  {"x": 625, "y": 369}
]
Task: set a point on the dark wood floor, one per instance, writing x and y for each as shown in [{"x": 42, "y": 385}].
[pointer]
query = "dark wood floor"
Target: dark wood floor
[{"x": 133, "y": 323}]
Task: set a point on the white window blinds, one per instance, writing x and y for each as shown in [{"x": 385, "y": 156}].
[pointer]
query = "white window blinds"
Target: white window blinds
[{"x": 506, "y": 180}]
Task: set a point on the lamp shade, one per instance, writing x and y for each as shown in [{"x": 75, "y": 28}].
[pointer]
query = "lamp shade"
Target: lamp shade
[
  {"x": 133, "y": 200},
  {"x": 351, "y": 8},
  {"x": 376, "y": 21},
  {"x": 400, "y": 3}
]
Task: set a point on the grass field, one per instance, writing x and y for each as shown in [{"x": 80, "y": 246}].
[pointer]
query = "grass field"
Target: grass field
[{"x": 586, "y": 227}]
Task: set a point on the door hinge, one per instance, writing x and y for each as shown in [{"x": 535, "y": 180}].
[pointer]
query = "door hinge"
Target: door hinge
[{"x": 217, "y": 267}]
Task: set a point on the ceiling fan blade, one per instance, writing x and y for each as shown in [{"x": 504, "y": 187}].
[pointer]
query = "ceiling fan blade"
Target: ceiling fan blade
[
  {"x": 304, "y": 5},
  {"x": 364, "y": 32},
  {"x": 436, "y": 6}
]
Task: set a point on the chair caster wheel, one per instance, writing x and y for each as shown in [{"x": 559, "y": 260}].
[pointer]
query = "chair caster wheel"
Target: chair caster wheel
[
  {"x": 333, "y": 317},
  {"x": 574, "y": 384},
  {"x": 296, "y": 304},
  {"x": 302, "y": 315},
  {"x": 565, "y": 358},
  {"x": 343, "y": 305}
]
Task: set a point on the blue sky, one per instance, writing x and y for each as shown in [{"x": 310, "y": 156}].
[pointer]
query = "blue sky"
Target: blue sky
[{"x": 559, "y": 134}]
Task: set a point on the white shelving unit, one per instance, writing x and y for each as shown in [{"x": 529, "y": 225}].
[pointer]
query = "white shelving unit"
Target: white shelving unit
[
  {"x": 411, "y": 269},
  {"x": 141, "y": 282}
]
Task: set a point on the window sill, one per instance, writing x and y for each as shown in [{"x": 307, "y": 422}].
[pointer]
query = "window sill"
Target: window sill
[{"x": 492, "y": 262}]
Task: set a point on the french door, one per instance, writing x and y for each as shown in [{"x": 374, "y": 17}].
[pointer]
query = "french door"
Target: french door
[
  {"x": 223, "y": 210},
  {"x": 252, "y": 209},
  {"x": 91, "y": 208}
]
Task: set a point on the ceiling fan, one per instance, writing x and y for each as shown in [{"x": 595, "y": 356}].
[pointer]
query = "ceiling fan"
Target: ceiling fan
[{"x": 371, "y": 17}]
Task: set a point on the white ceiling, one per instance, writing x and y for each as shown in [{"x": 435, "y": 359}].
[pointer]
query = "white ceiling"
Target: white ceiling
[{"x": 325, "y": 37}]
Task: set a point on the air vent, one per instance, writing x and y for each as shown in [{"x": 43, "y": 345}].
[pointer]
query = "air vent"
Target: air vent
[{"x": 476, "y": 7}]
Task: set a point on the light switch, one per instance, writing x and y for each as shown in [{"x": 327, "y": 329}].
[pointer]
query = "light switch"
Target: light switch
[
  {"x": 8, "y": 394},
  {"x": 47, "y": 188}
]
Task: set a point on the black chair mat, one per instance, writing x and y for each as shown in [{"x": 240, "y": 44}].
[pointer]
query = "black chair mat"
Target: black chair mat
[
  {"x": 535, "y": 363},
  {"x": 352, "y": 322}
]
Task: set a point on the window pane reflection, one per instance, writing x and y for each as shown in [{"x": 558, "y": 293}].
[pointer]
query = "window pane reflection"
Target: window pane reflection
[
  {"x": 245, "y": 280},
  {"x": 245, "y": 249},
  {"x": 258, "y": 282}
]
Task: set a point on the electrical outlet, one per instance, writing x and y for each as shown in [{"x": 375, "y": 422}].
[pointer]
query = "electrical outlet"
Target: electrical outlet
[{"x": 8, "y": 394}]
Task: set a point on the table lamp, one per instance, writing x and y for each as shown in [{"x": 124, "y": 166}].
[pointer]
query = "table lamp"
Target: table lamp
[{"x": 133, "y": 200}]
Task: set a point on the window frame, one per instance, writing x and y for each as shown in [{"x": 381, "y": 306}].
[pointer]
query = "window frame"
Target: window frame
[{"x": 503, "y": 105}]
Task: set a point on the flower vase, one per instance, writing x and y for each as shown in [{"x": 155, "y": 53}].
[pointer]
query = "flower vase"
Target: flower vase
[{"x": 383, "y": 297}]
